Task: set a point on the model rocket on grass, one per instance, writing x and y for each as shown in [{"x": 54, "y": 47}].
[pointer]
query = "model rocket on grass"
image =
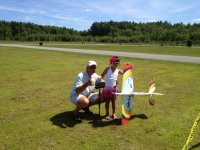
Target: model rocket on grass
[{"x": 128, "y": 93}]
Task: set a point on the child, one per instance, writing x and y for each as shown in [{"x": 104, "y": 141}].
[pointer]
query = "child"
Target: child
[{"x": 111, "y": 85}]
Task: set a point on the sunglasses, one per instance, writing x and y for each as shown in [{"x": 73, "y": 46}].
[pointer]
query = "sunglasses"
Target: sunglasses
[
  {"x": 116, "y": 62},
  {"x": 92, "y": 67}
]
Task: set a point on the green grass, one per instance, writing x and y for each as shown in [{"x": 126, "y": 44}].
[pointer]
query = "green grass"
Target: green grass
[{"x": 35, "y": 111}]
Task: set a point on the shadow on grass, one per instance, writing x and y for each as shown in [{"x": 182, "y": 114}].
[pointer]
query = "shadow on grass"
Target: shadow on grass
[
  {"x": 117, "y": 122},
  {"x": 140, "y": 116},
  {"x": 194, "y": 146},
  {"x": 65, "y": 119}
]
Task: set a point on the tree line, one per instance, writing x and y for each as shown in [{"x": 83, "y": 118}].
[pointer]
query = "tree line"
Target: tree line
[{"x": 108, "y": 32}]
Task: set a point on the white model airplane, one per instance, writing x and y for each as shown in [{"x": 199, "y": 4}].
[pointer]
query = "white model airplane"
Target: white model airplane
[{"x": 128, "y": 93}]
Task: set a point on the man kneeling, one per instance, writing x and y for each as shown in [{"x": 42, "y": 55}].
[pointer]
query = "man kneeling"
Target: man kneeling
[{"x": 82, "y": 94}]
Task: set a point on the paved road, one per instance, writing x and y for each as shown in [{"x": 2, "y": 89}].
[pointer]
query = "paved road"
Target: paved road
[{"x": 112, "y": 53}]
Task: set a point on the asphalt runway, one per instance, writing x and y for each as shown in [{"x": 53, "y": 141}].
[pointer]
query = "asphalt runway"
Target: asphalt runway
[{"x": 188, "y": 59}]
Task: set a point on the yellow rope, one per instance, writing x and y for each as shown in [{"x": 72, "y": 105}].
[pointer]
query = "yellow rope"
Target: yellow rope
[{"x": 190, "y": 137}]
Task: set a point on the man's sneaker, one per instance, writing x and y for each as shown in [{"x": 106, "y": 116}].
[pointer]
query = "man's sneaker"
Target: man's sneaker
[
  {"x": 76, "y": 117},
  {"x": 87, "y": 111}
]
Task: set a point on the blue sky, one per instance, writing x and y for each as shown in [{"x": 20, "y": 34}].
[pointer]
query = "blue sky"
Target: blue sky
[{"x": 80, "y": 14}]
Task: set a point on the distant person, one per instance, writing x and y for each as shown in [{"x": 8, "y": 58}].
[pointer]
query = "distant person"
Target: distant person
[
  {"x": 111, "y": 73},
  {"x": 82, "y": 94}
]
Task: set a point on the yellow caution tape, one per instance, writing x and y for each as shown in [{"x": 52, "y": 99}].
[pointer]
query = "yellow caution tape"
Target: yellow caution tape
[{"x": 190, "y": 137}]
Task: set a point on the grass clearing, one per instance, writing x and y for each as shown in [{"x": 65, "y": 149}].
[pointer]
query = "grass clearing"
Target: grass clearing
[{"x": 35, "y": 111}]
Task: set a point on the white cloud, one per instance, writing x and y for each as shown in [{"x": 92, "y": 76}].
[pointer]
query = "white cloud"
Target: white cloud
[
  {"x": 196, "y": 20},
  {"x": 12, "y": 9},
  {"x": 26, "y": 10},
  {"x": 152, "y": 20},
  {"x": 87, "y": 10},
  {"x": 28, "y": 19},
  {"x": 180, "y": 9}
]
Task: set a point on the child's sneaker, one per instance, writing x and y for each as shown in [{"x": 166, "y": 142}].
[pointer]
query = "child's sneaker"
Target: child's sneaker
[
  {"x": 114, "y": 117},
  {"x": 108, "y": 117}
]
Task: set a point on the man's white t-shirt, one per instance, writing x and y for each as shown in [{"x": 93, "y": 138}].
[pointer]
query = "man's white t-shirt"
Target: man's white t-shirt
[{"x": 81, "y": 79}]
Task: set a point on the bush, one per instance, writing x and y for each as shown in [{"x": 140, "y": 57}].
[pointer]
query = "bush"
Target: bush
[
  {"x": 189, "y": 43},
  {"x": 41, "y": 43}
]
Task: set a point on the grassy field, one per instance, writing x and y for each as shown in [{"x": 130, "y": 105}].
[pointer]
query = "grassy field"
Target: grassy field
[{"x": 35, "y": 111}]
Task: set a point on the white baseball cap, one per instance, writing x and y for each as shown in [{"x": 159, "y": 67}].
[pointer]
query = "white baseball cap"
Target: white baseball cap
[{"x": 91, "y": 63}]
